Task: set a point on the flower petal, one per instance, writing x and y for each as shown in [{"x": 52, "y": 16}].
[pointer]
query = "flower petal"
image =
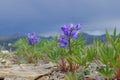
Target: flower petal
[
  {"x": 78, "y": 27},
  {"x": 75, "y": 35},
  {"x": 63, "y": 45},
  {"x": 65, "y": 30},
  {"x": 32, "y": 38},
  {"x": 71, "y": 27}
]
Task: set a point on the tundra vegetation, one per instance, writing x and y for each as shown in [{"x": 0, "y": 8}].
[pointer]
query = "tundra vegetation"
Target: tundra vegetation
[{"x": 69, "y": 52}]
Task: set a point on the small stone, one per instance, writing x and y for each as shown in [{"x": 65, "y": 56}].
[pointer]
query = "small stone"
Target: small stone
[
  {"x": 44, "y": 78},
  {"x": 88, "y": 78},
  {"x": 1, "y": 65},
  {"x": 100, "y": 78}
]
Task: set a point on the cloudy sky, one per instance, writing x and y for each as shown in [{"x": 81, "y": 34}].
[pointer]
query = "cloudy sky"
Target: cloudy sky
[{"x": 47, "y": 16}]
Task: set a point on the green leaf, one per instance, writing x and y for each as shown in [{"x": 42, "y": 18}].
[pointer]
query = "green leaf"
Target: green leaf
[
  {"x": 108, "y": 36},
  {"x": 29, "y": 53},
  {"x": 54, "y": 56},
  {"x": 110, "y": 39},
  {"x": 114, "y": 34},
  {"x": 71, "y": 76},
  {"x": 106, "y": 71}
]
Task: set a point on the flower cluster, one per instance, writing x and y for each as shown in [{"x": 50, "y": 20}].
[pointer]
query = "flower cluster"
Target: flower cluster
[
  {"x": 70, "y": 31},
  {"x": 32, "y": 38},
  {"x": 63, "y": 41}
]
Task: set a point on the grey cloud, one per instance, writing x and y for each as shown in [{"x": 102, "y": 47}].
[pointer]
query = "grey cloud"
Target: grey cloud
[{"x": 43, "y": 16}]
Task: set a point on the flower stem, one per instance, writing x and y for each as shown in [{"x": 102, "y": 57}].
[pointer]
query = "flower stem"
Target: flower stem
[
  {"x": 63, "y": 64},
  {"x": 69, "y": 45},
  {"x": 70, "y": 52}
]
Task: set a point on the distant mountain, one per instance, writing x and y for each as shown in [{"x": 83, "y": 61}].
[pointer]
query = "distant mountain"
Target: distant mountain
[
  {"x": 89, "y": 39},
  {"x": 5, "y": 40}
]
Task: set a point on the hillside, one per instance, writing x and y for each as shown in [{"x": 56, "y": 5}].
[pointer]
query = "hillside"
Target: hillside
[
  {"x": 5, "y": 40},
  {"x": 89, "y": 39}
]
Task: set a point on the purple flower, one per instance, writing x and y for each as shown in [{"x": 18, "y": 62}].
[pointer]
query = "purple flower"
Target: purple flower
[
  {"x": 78, "y": 27},
  {"x": 63, "y": 41},
  {"x": 70, "y": 31},
  {"x": 65, "y": 30},
  {"x": 71, "y": 27},
  {"x": 75, "y": 35},
  {"x": 32, "y": 38}
]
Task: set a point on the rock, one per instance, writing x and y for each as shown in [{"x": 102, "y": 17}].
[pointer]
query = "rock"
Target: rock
[
  {"x": 28, "y": 66},
  {"x": 44, "y": 78},
  {"x": 100, "y": 78},
  {"x": 88, "y": 78},
  {"x": 26, "y": 71},
  {"x": 16, "y": 79},
  {"x": 8, "y": 62},
  {"x": 93, "y": 67},
  {"x": 46, "y": 66},
  {"x": 57, "y": 75},
  {"x": 12, "y": 73},
  {"x": 1, "y": 65}
]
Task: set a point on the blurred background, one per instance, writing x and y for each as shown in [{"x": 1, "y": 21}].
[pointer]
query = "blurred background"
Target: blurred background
[
  {"x": 19, "y": 17},
  {"x": 46, "y": 17}
]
